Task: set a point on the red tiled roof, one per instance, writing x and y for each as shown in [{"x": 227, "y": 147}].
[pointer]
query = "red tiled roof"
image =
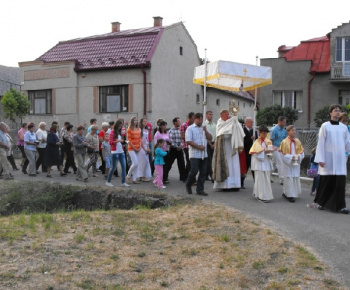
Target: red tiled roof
[
  {"x": 129, "y": 48},
  {"x": 317, "y": 50}
]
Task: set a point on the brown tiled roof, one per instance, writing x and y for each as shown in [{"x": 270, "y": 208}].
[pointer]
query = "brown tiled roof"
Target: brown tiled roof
[{"x": 129, "y": 48}]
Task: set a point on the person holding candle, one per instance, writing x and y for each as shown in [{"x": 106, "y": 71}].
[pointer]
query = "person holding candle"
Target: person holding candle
[
  {"x": 261, "y": 164},
  {"x": 292, "y": 155}
]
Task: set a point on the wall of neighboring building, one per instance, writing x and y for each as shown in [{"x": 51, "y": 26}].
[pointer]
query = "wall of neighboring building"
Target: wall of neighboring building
[
  {"x": 58, "y": 77},
  {"x": 341, "y": 31},
  {"x": 89, "y": 82},
  {"x": 173, "y": 91},
  {"x": 76, "y": 95},
  {"x": 287, "y": 76}
]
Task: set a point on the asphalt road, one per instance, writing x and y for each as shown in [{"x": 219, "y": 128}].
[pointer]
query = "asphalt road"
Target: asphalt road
[{"x": 326, "y": 233}]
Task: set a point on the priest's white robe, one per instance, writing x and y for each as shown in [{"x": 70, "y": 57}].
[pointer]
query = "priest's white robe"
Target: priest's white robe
[
  {"x": 333, "y": 142},
  {"x": 291, "y": 173},
  {"x": 262, "y": 166},
  {"x": 234, "y": 178}
]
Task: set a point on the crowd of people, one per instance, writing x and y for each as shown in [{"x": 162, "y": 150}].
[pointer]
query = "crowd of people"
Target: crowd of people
[{"x": 221, "y": 153}]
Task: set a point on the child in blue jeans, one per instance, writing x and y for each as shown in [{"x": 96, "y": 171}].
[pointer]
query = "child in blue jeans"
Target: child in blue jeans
[{"x": 106, "y": 154}]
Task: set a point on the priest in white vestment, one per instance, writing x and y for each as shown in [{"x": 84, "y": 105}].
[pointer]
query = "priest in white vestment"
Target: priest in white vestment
[
  {"x": 292, "y": 155},
  {"x": 228, "y": 144},
  {"x": 333, "y": 142}
]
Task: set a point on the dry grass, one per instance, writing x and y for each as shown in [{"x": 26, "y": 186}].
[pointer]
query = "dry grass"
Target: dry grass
[{"x": 198, "y": 246}]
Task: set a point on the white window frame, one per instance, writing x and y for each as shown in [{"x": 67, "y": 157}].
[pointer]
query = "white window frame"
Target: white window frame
[
  {"x": 40, "y": 102},
  {"x": 281, "y": 96},
  {"x": 109, "y": 95}
]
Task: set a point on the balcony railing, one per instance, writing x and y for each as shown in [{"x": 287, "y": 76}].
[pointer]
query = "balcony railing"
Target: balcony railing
[{"x": 340, "y": 71}]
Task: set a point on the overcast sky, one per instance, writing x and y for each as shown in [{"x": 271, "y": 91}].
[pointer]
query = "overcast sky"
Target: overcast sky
[{"x": 229, "y": 29}]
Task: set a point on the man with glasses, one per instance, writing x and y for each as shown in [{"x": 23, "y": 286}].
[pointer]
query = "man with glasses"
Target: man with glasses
[{"x": 333, "y": 143}]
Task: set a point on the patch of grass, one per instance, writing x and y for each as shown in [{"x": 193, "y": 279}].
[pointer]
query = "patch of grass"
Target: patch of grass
[
  {"x": 164, "y": 284},
  {"x": 151, "y": 249},
  {"x": 283, "y": 270},
  {"x": 293, "y": 282},
  {"x": 258, "y": 265},
  {"x": 141, "y": 255},
  {"x": 7, "y": 275},
  {"x": 306, "y": 259},
  {"x": 330, "y": 282},
  {"x": 87, "y": 284},
  {"x": 79, "y": 238},
  {"x": 224, "y": 238}
]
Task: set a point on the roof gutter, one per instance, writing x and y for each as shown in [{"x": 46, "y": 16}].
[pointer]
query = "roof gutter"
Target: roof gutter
[
  {"x": 309, "y": 98},
  {"x": 144, "y": 91}
]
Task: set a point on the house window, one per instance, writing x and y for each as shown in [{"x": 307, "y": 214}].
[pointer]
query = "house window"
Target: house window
[
  {"x": 197, "y": 99},
  {"x": 293, "y": 99},
  {"x": 218, "y": 102},
  {"x": 344, "y": 98},
  {"x": 113, "y": 99},
  {"x": 40, "y": 102},
  {"x": 181, "y": 50},
  {"x": 342, "y": 50}
]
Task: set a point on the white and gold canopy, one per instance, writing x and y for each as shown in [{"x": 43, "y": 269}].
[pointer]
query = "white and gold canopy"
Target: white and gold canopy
[{"x": 227, "y": 75}]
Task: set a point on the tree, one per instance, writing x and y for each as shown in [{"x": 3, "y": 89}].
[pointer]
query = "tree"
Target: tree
[
  {"x": 15, "y": 105},
  {"x": 322, "y": 115},
  {"x": 269, "y": 115}
]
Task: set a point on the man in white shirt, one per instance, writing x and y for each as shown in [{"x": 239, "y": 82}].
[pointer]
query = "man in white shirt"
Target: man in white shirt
[{"x": 197, "y": 153}]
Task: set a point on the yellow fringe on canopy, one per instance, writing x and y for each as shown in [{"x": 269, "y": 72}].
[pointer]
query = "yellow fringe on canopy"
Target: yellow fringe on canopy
[{"x": 259, "y": 82}]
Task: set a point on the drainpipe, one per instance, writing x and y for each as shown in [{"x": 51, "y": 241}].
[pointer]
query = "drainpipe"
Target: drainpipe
[
  {"x": 144, "y": 91},
  {"x": 309, "y": 98}
]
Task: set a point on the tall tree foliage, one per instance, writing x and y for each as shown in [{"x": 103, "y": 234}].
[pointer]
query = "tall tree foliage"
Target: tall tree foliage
[
  {"x": 269, "y": 115},
  {"x": 15, "y": 105}
]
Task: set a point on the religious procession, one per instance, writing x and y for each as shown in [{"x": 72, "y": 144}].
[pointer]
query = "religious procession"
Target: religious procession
[{"x": 223, "y": 157}]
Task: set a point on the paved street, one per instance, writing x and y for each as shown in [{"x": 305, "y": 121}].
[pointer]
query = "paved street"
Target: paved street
[{"x": 328, "y": 234}]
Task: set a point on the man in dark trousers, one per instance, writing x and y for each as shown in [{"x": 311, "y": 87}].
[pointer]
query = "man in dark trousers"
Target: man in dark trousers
[
  {"x": 175, "y": 151},
  {"x": 248, "y": 143}
]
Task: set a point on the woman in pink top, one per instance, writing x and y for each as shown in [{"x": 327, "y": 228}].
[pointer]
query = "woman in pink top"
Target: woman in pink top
[{"x": 163, "y": 134}]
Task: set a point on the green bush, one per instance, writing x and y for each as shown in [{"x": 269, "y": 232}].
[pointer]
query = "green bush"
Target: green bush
[
  {"x": 269, "y": 115},
  {"x": 322, "y": 115}
]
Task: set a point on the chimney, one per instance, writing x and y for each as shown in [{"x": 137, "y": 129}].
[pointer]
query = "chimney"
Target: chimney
[
  {"x": 158, "y": 21},
  {"x": 116, "y": 26}
]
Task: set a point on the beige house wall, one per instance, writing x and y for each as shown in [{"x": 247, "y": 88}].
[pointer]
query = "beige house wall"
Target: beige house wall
[{"x": 173, "y": 91}]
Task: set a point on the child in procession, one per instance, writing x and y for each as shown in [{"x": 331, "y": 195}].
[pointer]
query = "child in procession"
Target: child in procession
[
  {"x": 262, "y": 166},
  {"x": 292, "y": 155},
  {"x": 159, "y": 154},
  {"x": 106, "y": 154}
]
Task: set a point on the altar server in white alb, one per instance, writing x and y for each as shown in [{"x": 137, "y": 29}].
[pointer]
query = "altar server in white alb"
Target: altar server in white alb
[
  {"x": 292, "y": 155},
  {"x": 333, "y": 142},
  {"x": 261, "y": 152}
]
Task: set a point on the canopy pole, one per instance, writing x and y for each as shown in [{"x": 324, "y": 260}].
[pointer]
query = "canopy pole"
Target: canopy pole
[
  {"x": 204, "y": 101},
  {"x": 255, "y": 97}
]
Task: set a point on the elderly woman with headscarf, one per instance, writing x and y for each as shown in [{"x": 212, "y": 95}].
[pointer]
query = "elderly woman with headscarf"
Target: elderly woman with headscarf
[{"x": 53, "y": 156}]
